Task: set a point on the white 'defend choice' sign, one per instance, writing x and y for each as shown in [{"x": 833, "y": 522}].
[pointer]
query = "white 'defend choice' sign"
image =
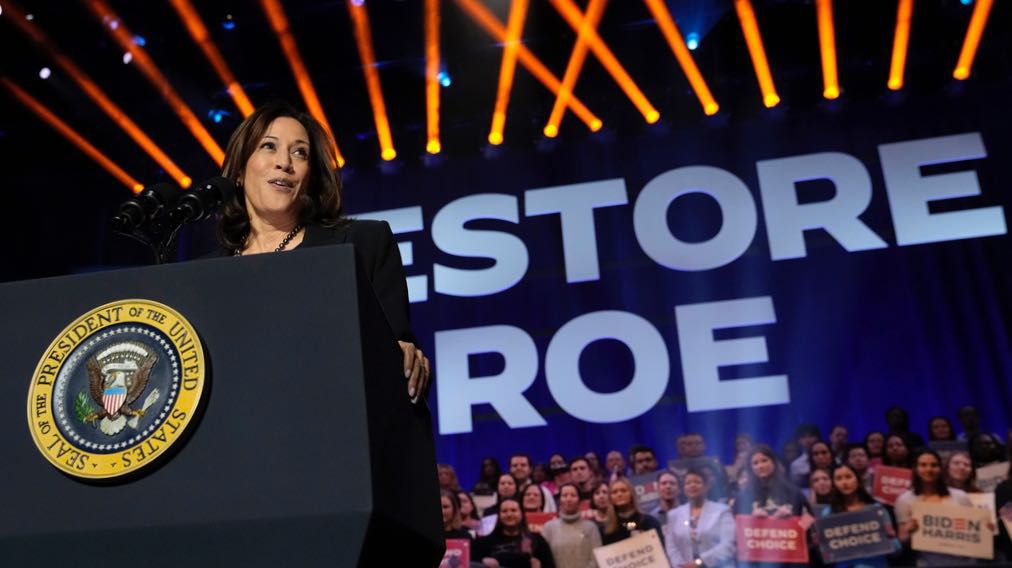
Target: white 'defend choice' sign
[
  {"x": 641, "y": 551},
  {"x": 953, "y": 529}
]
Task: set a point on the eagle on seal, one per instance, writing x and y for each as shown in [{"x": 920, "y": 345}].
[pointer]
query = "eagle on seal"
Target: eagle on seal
[{"x": 116, "y": 378}]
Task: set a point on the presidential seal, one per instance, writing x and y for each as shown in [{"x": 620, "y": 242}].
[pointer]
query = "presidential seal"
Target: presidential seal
[{"x": 116, "y": 389}]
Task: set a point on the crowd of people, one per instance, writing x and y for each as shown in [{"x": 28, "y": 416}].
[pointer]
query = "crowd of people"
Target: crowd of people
[{"x": 697, "y": 499}]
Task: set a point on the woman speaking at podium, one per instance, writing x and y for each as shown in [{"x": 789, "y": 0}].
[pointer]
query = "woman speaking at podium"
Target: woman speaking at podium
[{"x": 288, "y": 195}]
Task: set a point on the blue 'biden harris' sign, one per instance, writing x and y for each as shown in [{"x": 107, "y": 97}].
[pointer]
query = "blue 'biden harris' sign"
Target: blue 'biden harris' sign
[{"x": 858, "y": 534}]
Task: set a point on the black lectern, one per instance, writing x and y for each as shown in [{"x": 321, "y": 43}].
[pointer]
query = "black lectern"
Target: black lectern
[{"x": 307, "y": 452}]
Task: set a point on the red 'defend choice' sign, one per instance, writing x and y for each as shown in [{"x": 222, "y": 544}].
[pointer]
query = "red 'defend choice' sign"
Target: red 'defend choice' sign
[
  {"x": 537, "y": 520},
  {"x": 458, "y": 553},
  {"x": 890, "y": 483},
  {"x": 771, "y": 540}
]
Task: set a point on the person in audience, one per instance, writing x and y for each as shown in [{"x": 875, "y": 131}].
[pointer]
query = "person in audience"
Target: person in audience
[
  {"x": 970, "y": 421},
  {"x": 940, "y": 430},
  {"x": 600, "y": 503},
  {"x": 628, "y": 520},
  {"x": 506, "y": 488},
  {"x": 557, "y": 477},
  {"x": 742, "y": 449},
  {"x": 690, "y": 445},
  {"x": 899, "y": 423},
  {"x": 447, "y": 477},
  {"x": 539, "y": 473},
  {"x": 838, "y": 442},
  {"x": 820, "y": 485},
  {"x": 897, "y": 452},
  {"x": 643, "y": 459},
  {"x": 701, "y": 532},
  {"x": 985, "y": 449},
  {"x": 614, "y": 462},
  {"x": 740, "y": 483},
  {"x": 768, "y": 493},
  {"x": 857, "y": 459},
  {"x": 595, "y": 464},
  {"x": 667, "y": 491},
  {"x": 468, "y": 511},
  {"x": 874, "y": 443},
  {"x": 928, "y": 486},
  {"x": 849, "y": 495},
  {"x": 960, "y": 473},
  {"x": 556, "y": 461},
  {"x": 806, "y": 435},
  {"x": 571, "y": 538},
  {"x": 510, "y": 544},
  {"x": 452, "y": 522},
  {"x": 520, "y": 468},
  {"x": 488, "y": 477},
  {"x": 533, "y": 499},
  {"x": 820, "y": 456},
  {"x": 791, "y": 451},
  {"x": 581, "y": 476}
]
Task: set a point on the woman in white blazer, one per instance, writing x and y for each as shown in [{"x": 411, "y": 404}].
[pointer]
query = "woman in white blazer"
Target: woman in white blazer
[{"x": 700, "y": 532}]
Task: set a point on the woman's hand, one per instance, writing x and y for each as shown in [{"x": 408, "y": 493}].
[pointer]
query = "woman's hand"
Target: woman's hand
[
  {"x": 535, "y": 563},
  {"x": 783, "y": 511},
  {"x": 490, "y": 562},
  {"x": 906, "y": 529},
  {"x": 759, "y": 512},
  {"x": 416, "y": 370}
]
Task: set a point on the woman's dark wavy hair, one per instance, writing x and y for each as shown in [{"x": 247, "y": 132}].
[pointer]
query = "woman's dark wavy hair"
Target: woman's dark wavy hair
[
  {"x": 319, "y": 204},
  {"x": 918, "y": 485},
  {"x": 837, "y": 502}
]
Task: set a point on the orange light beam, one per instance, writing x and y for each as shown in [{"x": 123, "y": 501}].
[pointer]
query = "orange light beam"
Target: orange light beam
[
  {"x": 495, "y": 28},
  {"x": 981, "y": 10},
  {"x": 514, "y": 28},
  {"x": 749, "y": 27},
  {"x": 576, "y": 59},
  {"x": 901, "y": 40},
  {"x": 571, "y": 13},
  {"x": 198, "y": 31},
  {"x": 71, "y": 135},
  {"x": 279, "y": 23},
  {"x": 97, "y": 95},
  {"x": 147, "y": 66},
  {"x": 363, "y": 38},
  {"x": 827, "y": 48},
  {"x": 677, "y": 44},
  {"x": 432, "y": 145}
]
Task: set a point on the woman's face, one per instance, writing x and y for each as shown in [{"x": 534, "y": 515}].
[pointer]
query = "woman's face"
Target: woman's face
[
  {"x": 822, "y": 457},
  {"x": 556, "y": 462},
  {"x": 959, "y": 468},
  {"x": 532, "y": 498},
  {"x": 896, "y": 449},
  {"x": 762, "y": 466},
  {"x": 447, "y": 510},
  {"x": 845, "y": 481},
  {"x": 695, "y": 486},
  {"x": 569, "y": 500},
  {"x": 820, "y": 483},
  {"x": 928, "y": 468},
  {"x": 509, "y": 514},
  {"x": 601, "y": 497},
  {"x": 445, "y": 477},
  {"x": 620, "y": 495},
  {"x": 940, "y": 429},
  {"x": 507, "y": 487},
  {"x": 277, "y": 171},
  {"x": 875, "y": 442},
  {"x": 466, "y": 506}
]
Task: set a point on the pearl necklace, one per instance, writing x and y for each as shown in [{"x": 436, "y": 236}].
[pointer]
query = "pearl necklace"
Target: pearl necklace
[{"x": 284, "y": 242}]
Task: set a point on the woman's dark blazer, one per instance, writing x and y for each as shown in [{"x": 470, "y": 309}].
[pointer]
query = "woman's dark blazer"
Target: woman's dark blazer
[{"x": 377, "y": 254}]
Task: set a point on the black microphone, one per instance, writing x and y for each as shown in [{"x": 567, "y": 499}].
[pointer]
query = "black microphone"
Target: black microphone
[
  {"x": 202, "y": 200},
  {"x": 147, "y": 206}
]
